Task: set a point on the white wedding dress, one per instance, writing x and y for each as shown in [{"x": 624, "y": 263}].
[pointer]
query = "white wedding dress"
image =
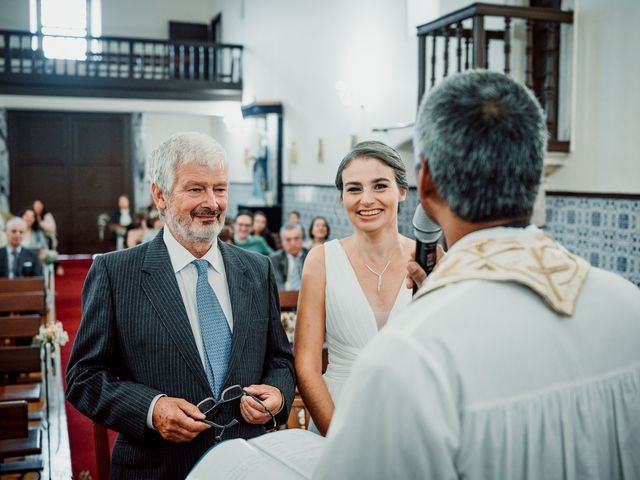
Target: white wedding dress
[{"x": 350, "y": 322}]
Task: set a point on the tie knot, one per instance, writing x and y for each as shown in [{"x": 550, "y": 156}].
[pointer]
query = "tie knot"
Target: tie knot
[{"x": 201, "y": 265}]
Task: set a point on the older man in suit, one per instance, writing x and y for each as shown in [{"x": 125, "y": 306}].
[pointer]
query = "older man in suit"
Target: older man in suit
[
  {"x": 287, "y": 263},
  {"x": 15, "y": 260},
  {"x": 170, "y": 326}
]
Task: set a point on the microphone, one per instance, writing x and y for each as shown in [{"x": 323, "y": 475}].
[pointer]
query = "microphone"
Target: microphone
[{"x": 427, "y": 234}]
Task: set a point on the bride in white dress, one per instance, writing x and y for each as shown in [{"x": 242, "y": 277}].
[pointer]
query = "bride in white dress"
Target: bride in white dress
[{"x": 351, "y": 286}]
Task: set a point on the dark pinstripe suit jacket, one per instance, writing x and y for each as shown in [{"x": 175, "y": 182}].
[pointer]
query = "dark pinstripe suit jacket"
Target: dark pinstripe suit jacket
[{"x": 135, "y": 342}]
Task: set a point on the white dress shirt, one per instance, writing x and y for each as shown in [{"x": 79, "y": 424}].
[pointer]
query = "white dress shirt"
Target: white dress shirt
[
  {"x": 291, "y": 268},
  {"x": 187, "y": 278}
]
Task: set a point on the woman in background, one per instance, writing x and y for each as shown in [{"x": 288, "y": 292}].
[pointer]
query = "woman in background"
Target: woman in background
[
  {"x": 350, "y": 287},
  {"x": 46, "y": 222},
  {"x": 261, "y": 229},
  {"x": 319, "y": 232},
  {"x": 33, "y": 238}
]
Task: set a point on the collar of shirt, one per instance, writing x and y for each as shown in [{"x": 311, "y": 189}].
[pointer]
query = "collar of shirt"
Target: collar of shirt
[
  {"x": 293, "y": 257},
  {"x": 10, "y": 249},
  {"x": 181, "y": 257},
  {"x": 495, "y": 232}
]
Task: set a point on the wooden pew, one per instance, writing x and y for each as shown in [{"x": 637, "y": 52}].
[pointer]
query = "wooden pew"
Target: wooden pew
[
  {"x": 19, "y": 326},
  {"x": 13, "y": 420},
  {"x": 19, "y": 295},
  {"x": 18, "y": 440},
  {"x": 20, "y": 359},
  {"x": 20, "y": 365},
  {"x": 29, "y": 392},
  {"x": 21, "y": 285},
  {"x": 33, "y": 302}
]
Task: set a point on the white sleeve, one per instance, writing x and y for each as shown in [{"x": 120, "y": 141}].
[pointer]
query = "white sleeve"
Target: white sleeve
[
  {"x": 397, "y": 419},
  {"x": 150, "y": 411}
]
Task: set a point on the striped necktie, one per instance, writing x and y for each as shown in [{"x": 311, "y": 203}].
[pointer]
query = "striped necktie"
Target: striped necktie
[{"x": 216, "y": 335}]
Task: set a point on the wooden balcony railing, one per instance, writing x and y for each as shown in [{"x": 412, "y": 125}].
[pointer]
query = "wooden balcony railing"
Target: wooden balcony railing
[
  {"x": 120, "y": 67},
  {"x": 530, "y": 41}
]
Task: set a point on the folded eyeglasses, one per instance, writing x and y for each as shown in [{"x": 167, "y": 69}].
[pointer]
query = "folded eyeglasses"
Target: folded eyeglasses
[{"x": 230, "y": 394}]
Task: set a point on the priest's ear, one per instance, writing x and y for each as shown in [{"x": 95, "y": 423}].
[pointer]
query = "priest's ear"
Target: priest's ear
[{"x": 426, "y": 187}]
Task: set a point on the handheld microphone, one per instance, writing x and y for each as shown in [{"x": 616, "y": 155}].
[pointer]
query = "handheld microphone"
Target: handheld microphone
[{"x": 427, "y": 234}]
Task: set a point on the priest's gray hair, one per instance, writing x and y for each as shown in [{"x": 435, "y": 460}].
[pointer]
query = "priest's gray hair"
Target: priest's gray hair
[
  {"x": 181, "y": 149},
  {"x": 378, "y": 150},
  {"x": 483, "y": 136}
]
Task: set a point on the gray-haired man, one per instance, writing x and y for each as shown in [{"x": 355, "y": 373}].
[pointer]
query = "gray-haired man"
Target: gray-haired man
[
  {"x": 287, "y": 263},
  {"x": 177, "y": 322},
  {"x": 516, "y": 359},
  {"x": 15, "y": 260}
]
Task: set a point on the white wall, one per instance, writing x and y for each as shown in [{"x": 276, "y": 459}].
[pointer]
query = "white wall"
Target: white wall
[
  {"x": 297, "y": 52},
  {"x": 150, "y": 18},
  {"x": 14, "y": 14},
  {"x": 605, "y": 147}
]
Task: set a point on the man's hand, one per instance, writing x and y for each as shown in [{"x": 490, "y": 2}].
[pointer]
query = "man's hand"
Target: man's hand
[
  {"x": 415, "y": 273},
  {"x": 252, "y": 411},
  {"x": 177, "y": 420}
]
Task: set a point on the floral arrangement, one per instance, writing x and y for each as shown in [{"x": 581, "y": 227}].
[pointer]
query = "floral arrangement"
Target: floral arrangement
[
  {"x": 53, "y": 334},
  {"x": 288, "y": 320},
  {"x": 48, "y": 257}
]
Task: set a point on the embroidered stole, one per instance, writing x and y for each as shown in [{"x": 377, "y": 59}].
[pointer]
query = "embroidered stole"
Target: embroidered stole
[{"x": 537, "y": 261}]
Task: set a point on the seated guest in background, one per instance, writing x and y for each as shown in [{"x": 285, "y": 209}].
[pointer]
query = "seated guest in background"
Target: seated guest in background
[
  {"x": 516, "y": 359},
  {"x": 261, "y": 229},
  {"x": 46, "y": 222},
  {"x": 243, "y": 238},
  {"x": 226, "y": 234},
  {"x": 318, "y": 232},
  {"x": 33, "y": 237},
  {"x": 154, "y": 225},
  {"x": 287, "y": 263},
  {"x": 295, "y": 217},
  {"x": 171, "y": 325},
  {"x": 120, "y": 222},
  {"x": 350, "y": 287},
  {"x": 137, "y": 229},
  {"x": 123, "y": 215},
  {"x": 15, "y": 260}
]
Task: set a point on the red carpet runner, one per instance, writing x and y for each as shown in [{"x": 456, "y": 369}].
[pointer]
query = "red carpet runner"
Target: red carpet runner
[{"x": 68, "y": 311}]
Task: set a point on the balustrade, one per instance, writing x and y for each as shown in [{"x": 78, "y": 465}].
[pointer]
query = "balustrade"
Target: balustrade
[
  {"x": 157, "y": 67},
  {"x": 531, "y": 52}
]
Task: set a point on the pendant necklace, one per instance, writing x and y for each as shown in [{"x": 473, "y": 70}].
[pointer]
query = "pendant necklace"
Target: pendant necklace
[{"x": 379, "y": 275}]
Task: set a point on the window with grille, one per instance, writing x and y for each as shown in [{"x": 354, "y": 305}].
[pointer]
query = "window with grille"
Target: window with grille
[{"x": 65, "y": 26}]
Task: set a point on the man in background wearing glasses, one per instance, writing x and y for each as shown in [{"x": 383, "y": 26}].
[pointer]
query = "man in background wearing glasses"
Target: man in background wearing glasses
[{"x": 180, "y": 342}]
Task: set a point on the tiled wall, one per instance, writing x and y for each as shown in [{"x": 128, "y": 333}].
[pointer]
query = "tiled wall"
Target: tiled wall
[{"x": 604, "y": 231}]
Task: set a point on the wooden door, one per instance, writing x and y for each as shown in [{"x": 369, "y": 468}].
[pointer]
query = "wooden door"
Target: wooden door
[{"x": 78, "y": 163}]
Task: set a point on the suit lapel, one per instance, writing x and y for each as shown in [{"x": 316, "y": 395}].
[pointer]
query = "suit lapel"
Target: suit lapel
[
  {"x": 239, "y": 285},
  {"x": 161, "y": 287}
]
